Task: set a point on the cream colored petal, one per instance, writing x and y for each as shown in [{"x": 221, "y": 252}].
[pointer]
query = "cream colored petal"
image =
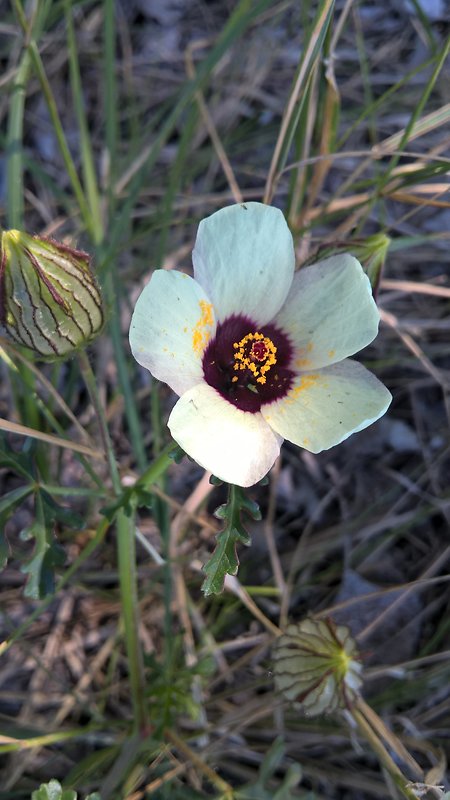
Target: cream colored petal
[
  {"x": 326, "y": 406},
  {"x": 330, "y": 312},
  {"x": 172, "y": 323},
  {"x": 237, "y": 446},
  {"x": 244, "y": 259}
]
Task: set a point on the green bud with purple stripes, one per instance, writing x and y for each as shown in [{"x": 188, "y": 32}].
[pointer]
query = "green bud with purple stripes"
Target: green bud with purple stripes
[
  {"x": 49, "y": 299},
  {"x": 317, "y": 666}
]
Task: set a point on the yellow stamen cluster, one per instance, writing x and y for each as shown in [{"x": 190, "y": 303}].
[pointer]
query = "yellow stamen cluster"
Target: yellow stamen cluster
[{"x": 250, "y": 355}]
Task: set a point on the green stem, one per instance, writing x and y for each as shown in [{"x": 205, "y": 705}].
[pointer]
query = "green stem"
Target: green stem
[
  {"x": 91, "y": 385},
  {"x": 378, "y": 747},
  {"x": 131, "y": 413},
  {"x": 161, "y": 513},
  {"x": 126, "y": 552},
  {"x": 157, "y": 468},
  {"x": 126, "y": 556}
]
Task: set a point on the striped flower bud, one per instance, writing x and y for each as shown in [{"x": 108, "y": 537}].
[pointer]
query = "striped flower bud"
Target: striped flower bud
[
  {"x": 372, "y": 252},
  {"x": 316, "y": 664},
  {"x": 49, "y": 299}
]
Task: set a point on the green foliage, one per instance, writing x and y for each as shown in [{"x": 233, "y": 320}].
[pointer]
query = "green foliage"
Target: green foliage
[
  {"x": 46, "y": 557},
  {"x": 140, "y": 495},
  {"x": 138, "y": 168},
  {"x": 370, "y": 251},
  {"x": 47, "y": 554},
  {"x": 8, "y": 504},
  {"x": 54, "y": 791},
  {"x": 176, "y": 453},
  {"x": 260, "y": 789},
  {"x": 129, "y": 501},
  {"x": 170, "y": 685},
  {"x": 224, "y": 560}
]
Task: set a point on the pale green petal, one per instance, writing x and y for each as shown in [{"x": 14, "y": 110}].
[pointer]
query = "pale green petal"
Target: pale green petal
[
  {"x": 234, "y": 445},
  {"x": 244, "y": 259},
  {"x": 325, "y": 407},
  {"x": 173, "y": 321},
  {"x": 330, "y": 312}
]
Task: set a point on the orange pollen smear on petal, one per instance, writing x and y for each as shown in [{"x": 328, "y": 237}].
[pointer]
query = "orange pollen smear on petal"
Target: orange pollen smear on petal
[
  {"x": 306, "y": 382},
  {"x": 201, "y": 332},
  {"x": 256, "y": 353},
  {"x": 303, "y": 362}
]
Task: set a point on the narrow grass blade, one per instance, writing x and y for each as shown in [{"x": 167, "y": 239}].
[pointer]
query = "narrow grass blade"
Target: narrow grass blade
[
  {"x": 23, "y": 430},
  {"x": 295, "y": 105},
  {"x": 87, "y": 158}
]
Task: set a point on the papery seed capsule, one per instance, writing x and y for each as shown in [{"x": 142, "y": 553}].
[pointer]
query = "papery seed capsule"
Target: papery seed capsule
[
  {"x": 316, "y": 664},
  {"x": 49, "y": 298}
]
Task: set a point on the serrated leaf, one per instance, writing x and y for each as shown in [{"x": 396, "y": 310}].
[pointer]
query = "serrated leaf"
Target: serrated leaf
[
  {"x": 11, "y": 499},
  {"x": 8, "y": 504},
  {"x": 40, "y": 569},
  {"x": 221, "y": 511},
  {"x": 251, "y": 508},
  {"x": 55, "y": 511},
  {"x": 20, "y": 463},
  {"x": 224, "y": 560}
]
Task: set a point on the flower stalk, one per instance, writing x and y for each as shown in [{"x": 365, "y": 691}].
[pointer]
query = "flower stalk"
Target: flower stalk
[
  {"x": 126, "y": 556},
  {"x": 378, "y": 747}
]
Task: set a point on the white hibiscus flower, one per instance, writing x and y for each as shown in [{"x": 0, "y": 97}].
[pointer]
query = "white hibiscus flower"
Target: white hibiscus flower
[{"x": 257, "y": 353}]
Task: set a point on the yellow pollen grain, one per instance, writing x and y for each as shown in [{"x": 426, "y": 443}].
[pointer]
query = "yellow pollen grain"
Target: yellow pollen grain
[
  {"x": 331, "y": 353},
  {"x": 245, "y": 358},
  {"x": 201, "y": 333}
]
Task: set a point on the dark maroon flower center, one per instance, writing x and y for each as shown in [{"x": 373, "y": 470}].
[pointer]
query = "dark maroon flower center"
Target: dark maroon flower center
[{"x": 249, "y": 365}]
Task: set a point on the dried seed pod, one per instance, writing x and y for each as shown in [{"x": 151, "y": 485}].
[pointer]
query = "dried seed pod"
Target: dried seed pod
[
  {"x": 49, "y": 298},
  {"x": 316, "y": 664}
]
